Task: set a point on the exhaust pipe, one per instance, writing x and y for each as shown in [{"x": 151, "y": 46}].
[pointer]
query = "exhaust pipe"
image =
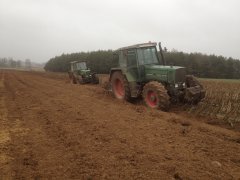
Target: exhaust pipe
[{"x": 161, "y": 53}]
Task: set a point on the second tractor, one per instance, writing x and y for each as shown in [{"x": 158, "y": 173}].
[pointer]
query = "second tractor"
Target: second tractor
[{"x": 79, "y": 73}]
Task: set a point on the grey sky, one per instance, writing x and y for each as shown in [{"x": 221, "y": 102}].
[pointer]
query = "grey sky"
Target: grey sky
[{"x": 41, "y": 29}]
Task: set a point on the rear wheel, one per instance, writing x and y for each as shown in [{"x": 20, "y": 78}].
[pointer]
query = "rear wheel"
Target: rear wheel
[
  {"x": 155, "y": 96},
  {"x": 120, "y": 86},
  {"x": 72, "y": 78}
]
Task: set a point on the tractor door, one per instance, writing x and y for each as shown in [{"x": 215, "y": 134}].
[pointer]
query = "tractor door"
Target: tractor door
[
  {"x": 74, "y": 67},
  {"x": 132, "y": 66},
  {"x": 141, "y": 67}
]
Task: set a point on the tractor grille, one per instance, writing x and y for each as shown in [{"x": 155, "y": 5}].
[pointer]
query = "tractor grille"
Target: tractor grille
[{"x": 180, "y": 75}]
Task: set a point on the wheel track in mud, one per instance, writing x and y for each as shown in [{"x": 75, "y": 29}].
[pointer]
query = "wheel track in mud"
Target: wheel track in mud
[
  {"x": 53, "y": 131},
  {"x": 5, "y": 158}
]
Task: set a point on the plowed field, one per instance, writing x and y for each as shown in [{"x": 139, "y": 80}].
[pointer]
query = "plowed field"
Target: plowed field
[{"x": 51, "y": 129}]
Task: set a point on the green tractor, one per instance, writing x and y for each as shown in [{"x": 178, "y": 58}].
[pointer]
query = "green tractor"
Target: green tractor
[
  {"x": 79, "y": 73},
  {"x": 141, "y": 72}
]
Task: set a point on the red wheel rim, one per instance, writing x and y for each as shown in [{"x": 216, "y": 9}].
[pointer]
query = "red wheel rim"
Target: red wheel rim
[
  {"x": 151, "y": 99},
  {"x": 119, "y": 89}
]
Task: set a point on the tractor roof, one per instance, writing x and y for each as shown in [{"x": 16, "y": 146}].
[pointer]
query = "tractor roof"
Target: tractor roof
[
  {"x": 138, "y": 46},
  {"x": 73, "y": 62}
]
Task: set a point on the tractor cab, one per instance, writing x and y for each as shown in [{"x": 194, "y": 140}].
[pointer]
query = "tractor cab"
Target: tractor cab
[
  {"x": 141, "y": 63},
  {"x": 147, "y": 55},
  {"x": 140, "y": 54}
]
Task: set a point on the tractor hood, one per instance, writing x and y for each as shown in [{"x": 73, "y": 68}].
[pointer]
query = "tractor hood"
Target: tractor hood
[
  {"x": 84, "y": 72},
  {"x": 170, "y": 74}
]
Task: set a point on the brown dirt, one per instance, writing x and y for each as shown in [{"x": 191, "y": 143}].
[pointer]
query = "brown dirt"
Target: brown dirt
[{"x": 51, "y": 129}]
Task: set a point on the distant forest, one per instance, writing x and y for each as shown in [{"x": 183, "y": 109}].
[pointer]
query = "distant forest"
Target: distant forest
[{"x": 200, "y": 65}]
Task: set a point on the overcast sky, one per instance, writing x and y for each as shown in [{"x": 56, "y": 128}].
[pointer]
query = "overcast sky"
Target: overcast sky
[{"x": 41, "y": 29}]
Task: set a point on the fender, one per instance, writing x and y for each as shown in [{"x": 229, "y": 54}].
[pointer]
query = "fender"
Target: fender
[{"x": 114, "y": 70}]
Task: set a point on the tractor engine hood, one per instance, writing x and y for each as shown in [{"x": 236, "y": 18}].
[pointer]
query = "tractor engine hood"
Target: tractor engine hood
[
  {"x": 84, "y": 72},
  {"x": 170, "y": 74}
]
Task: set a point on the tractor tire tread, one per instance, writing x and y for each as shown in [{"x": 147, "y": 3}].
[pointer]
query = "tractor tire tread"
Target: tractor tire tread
[
  {"x": 164, "y": 99},
  {"x": 127, "y": 95},
  {"x": 127, "y": 89}
]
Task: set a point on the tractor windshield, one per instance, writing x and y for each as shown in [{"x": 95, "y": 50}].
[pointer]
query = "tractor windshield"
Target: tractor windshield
[
  {"x": 81, "y": 66},
  {"x": 147, "y": 56}
]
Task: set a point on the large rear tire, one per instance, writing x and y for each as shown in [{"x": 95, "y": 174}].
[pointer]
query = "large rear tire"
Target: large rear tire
[
  {"x": 120, "y": 86},
  {"x": 155, "y": 96},
  {"x": 72, "y": 78}
]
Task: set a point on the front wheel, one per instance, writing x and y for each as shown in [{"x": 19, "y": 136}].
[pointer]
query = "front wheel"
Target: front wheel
[
  {"x": 80, "y": 80},
  {"x": 155, "y": 96},
  {"x": 120, "y": 86}
]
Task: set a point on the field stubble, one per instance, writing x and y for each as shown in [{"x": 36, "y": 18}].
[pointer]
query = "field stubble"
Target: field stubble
[{"x": 222, "y": 101}]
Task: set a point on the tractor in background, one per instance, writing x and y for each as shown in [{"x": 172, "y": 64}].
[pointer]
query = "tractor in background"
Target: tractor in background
[
  {"x": 80, "y": 74},
  {"x": 142, "y": 72}
]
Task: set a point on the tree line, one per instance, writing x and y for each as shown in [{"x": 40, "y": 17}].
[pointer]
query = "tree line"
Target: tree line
[
  {"x": 198, "y": 64},
  {"x": 98, "y": 61},
  {"x": 206, "y": 66}
]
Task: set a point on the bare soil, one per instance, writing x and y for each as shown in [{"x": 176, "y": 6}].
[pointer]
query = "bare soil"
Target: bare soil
[{"x": 51, "y": 129}]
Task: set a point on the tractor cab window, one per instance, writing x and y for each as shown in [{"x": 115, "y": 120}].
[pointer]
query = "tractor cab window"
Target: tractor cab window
[
  {"x": 122, "y": 59},
  {"x": 147, "y": 56},
  {"x": 81, "y": 66},
  {"x": 131, "y": 58}
]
